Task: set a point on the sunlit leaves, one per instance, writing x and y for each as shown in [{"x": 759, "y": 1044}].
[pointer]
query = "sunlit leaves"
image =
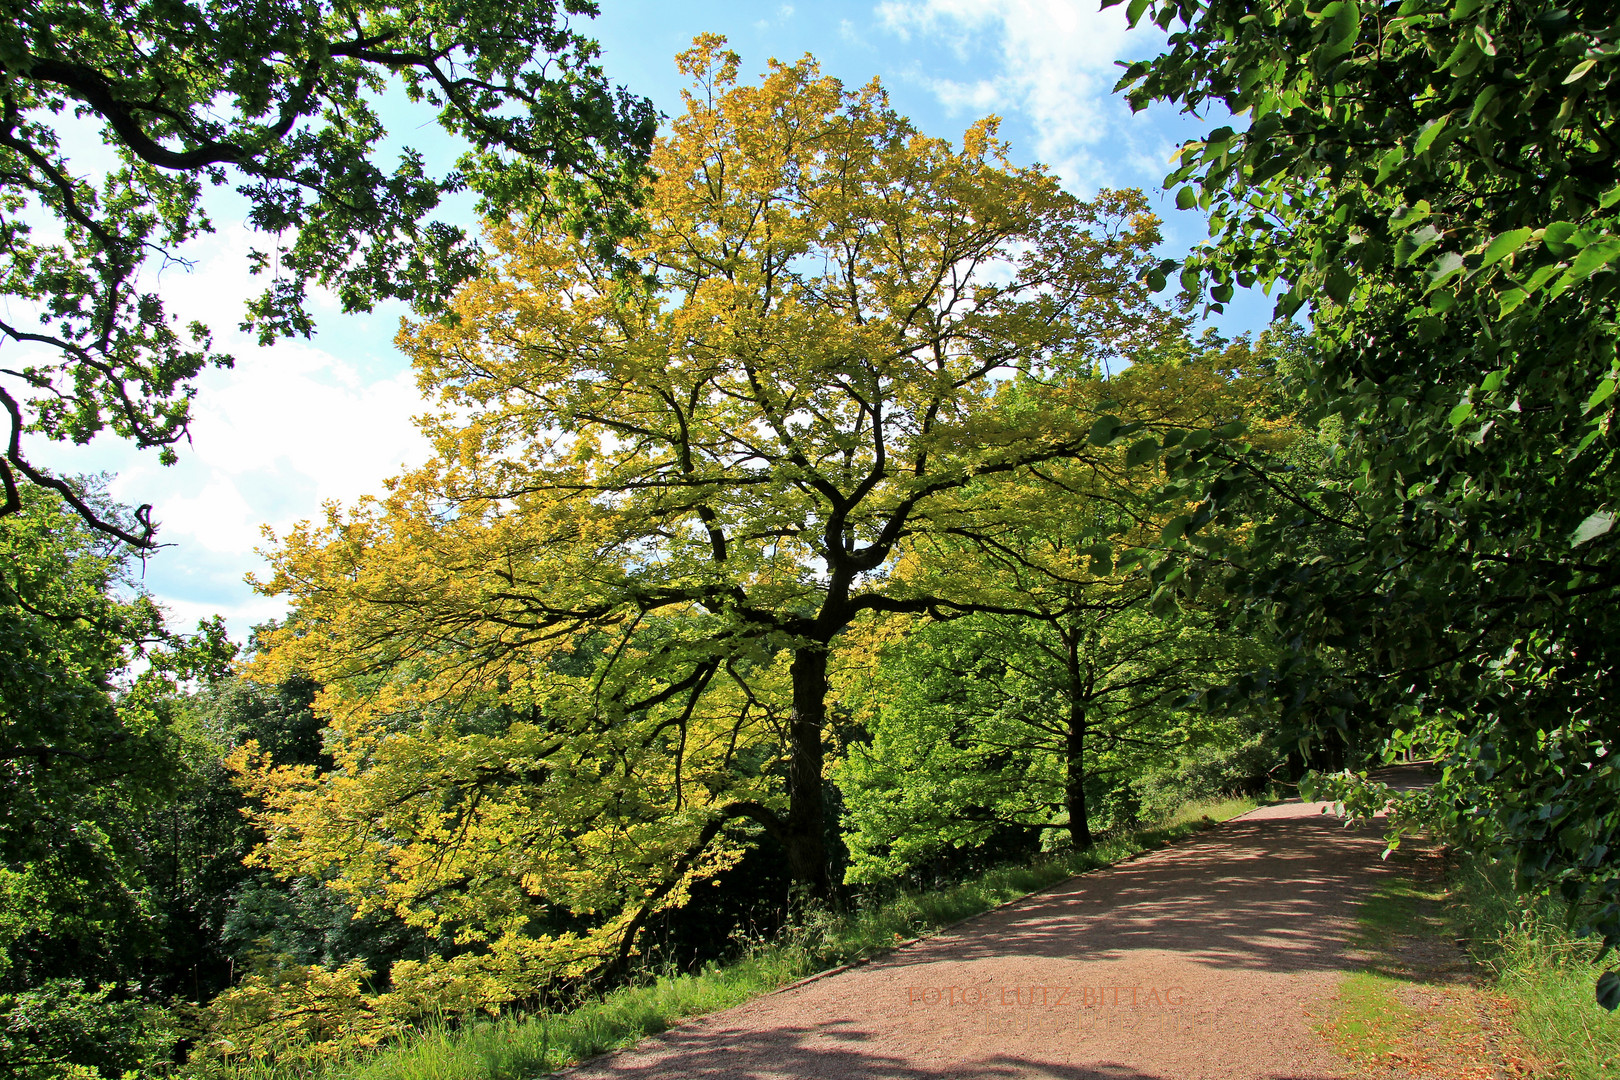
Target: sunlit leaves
[{"x": 593, "y": 632}]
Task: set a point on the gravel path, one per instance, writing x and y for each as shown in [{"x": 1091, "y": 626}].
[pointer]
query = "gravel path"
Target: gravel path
[{"x": 1201, "y": 961}]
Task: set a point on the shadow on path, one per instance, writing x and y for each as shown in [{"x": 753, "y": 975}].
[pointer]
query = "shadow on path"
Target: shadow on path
[
  {"x": 1265, "y": 894},
  {"x": 801, "y": 1052},
  {"x": 1250, "y": 923}
]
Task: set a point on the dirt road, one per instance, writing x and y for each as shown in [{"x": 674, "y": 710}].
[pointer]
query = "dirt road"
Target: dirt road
[{"x": 1200, "y": 961}]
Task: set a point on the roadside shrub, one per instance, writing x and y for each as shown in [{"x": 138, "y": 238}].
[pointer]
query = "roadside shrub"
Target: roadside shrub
[
  {"x": 1204, "y": 772},
  {"x": 65, "y": 1028}
]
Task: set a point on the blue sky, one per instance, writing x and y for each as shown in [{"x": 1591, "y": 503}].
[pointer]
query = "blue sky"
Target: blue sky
[{"x": 301, "y": 423}]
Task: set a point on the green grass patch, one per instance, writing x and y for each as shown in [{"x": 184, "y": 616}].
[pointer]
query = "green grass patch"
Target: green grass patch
[
  {"x": 519, "y": 1047},
  {"x": 1370, "y": 1021},
  {"x": 1526, "y": 1000},
  {"x": 1548, "y": 974},
  {"x": 1413, "y": 1007},
  {"x": 1400, "y": 906}
]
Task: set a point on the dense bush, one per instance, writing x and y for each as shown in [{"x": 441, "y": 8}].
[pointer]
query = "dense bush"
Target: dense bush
[{"x": 63, "y": 1027}]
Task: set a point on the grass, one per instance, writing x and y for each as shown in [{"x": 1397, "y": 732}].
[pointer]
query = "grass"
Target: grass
[
  {"x": 519, "y": 1047},
  {"x": 1412, "y": 1007},
  {"x": 1518, "y": 1001},
  {"x": 1546, "y": 973},
  {"x": 1370, "y": 1022}
]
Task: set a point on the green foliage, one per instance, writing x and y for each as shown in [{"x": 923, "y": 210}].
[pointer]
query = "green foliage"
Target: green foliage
[
  {"x": 87, "y": 752},
  {"x": 113, "y": 829},
  {"x": 1240, "y": 760},
  {"x": 47, "y": 1030},
  {"x": 1537, "y": 963},
  {"x": 1062, "y": 700},
  {"x": 223, "y": 918},
  {"x": 276, "y": 99},
  {"x": 1438, "y": 180},
  {"x": 975, "y": 732}
]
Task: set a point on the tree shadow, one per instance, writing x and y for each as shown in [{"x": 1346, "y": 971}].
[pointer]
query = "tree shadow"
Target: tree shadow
[
  {"x": 814, "y": 1053},
  {"x": 1274, "y": 894}
]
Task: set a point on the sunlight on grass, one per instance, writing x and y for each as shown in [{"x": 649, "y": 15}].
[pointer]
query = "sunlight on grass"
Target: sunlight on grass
[
  {"x": 1370, "y": 1021},
  {"x": 1548, "y": 974},
  {"x": 1410, "y": 1006}
]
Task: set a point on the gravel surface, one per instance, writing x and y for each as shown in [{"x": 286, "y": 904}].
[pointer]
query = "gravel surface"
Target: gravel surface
[{"x": 1205, "y": 960}]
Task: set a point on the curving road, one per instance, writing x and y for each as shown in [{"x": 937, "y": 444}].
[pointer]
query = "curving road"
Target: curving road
[{"x": 1201, "y": 961}]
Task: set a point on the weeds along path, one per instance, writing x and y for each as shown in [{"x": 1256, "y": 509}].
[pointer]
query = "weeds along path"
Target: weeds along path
[{"x": 1215, "y": 958}]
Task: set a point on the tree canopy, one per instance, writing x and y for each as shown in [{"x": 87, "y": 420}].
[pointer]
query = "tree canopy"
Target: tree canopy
[
  {"x": 278, "y": 100},
  {"x": 1437, "y": 179},
  {"x": 658, "y": 500},
  {"x": 87, "y": 748}
]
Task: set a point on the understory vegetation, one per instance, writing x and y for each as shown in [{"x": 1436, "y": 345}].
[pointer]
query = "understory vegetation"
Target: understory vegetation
[
  {"x": 1529, "y": 951},
  {"x": 1462, "y": 974}
]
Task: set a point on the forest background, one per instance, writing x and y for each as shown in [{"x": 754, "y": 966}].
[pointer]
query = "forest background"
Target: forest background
[{"x": 837, "y": 512}]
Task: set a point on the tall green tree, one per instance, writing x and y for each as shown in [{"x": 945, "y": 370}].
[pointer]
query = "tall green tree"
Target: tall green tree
[
  {"x": 744, "y": 441},
  {"x": 1438, "y": 180},
  {"x": 82, "y": 756},
  {"x": 1068, "y": 674},
  {"x": 278, "y": 100},
  {"x": 1003, "y": 729},
  {"x": 91, "y": 764}
]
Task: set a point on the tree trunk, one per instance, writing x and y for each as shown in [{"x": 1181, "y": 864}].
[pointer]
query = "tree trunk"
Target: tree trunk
[
  {"x": 806, "y": 823},
  {"x": 1075, "y": 788},
  {"x": 1074, "y": 792}
]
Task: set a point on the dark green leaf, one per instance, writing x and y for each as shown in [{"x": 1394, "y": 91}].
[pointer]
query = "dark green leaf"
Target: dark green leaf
[
  {"x": 1558, "y": 238},
  {"x": 1604, "y": 391},
  {"x": 1175, "y": 528},
  {"x": 1339, "y": 283},
  {"x": 1510, "y": 300},
  {"x": 1429, "y": 133},
  {"x": 1389, "y": 163},
  {"x": 1608, "y": 990},
  {"x": 1103, "y": 430},
  {"x": 1143, "y": 450}
]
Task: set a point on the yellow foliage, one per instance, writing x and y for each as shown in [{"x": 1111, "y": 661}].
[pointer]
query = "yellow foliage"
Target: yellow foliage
[
  {"x": 306, "y": 1011},
  {"x": 560, "y": 656}
]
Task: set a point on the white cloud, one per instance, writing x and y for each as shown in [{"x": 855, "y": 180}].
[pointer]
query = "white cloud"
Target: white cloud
[
  {"x": 287, "y": 428},
  {"x": 240, "y": 615},
  {"x": 784, "y": 12},
  {"x": 216, "y": 517},
  {"x": 294, "y": 423},
  {"x": 1056, "y": 72},
  {"x": 299, "y": 410}
]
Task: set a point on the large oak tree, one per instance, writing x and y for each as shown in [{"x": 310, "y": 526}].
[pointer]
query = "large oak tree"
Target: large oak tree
[{"x": 658, "y": 500}]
